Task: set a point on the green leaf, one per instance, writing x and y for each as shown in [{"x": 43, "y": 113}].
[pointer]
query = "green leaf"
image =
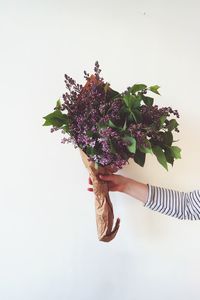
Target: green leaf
[
  {"x": 111, "y": 124},
  {"x": 65, "y": 128},
  {"x": 136, "y": 101},
  {"x": 154, "y": 89},
  {"x": 137, "y": 114},
  {"x": 176, "y": 151},
  {"x": 57, "y": 119},
  {"x": 127, "y": 100},
  {"x": 58, "y": 105},
  {"x": 132, "y": 145},
  {"x": 138, "y": 87},
  {"x": 147, "y": 100},
  {"x": 167, "y": 138},
  {"x": 102, "y": 125},
  {"x": 139, "y": 158},
  {"x": 132, "y": 102},
  {"x": 90, "y": 150},
  {"x": 147, "y": 148},
  {"x": 162, "y": 121},
  {"x": 124, "y": 127},
  {"x": 112, "y": 148},
  {"x": 169, "y": 156},
  {"x": 134, "y": 117},
  {"x": 125, "y": 110},
  {"x": 172, "y": 124},
  {"x": 160, "y": 155},
  {"x": 111, "y": 94},
  {"x": 89, "y": 133}
]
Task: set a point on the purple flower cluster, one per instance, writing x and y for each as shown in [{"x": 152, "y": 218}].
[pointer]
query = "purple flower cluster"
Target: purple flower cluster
[
  {"x": 152, "y": 114},
  {"x": 89, "y": 110},
  {"x": 99, "y": 120}
]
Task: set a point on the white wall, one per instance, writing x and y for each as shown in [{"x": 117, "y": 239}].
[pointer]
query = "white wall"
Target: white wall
[{"x": 48, "y": 244}]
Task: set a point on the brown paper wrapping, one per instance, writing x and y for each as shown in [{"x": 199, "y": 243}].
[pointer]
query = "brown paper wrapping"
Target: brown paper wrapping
[{"x": 103, "y": 206}]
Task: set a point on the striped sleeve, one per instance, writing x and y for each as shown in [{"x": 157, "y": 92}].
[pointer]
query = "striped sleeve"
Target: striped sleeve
[{"x": 184, "y": 206}]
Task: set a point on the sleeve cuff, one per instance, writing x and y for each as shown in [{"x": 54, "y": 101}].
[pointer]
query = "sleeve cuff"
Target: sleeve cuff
[{"x": 147, "y": 203}]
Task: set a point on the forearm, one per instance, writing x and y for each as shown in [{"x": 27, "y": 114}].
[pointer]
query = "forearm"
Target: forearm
[
  {"x": 173, "y": 203},
  {"x": 136, "y": 189},
  {"x": 167, "y": 201}
]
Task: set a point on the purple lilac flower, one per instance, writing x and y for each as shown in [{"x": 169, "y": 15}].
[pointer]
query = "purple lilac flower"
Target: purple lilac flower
[{"x": 90, "y": 108}]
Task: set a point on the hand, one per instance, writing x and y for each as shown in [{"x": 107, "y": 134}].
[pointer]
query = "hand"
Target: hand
[{"x": 116, "y": 183}]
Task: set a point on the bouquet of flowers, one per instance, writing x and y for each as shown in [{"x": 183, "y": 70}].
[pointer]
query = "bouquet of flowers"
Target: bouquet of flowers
[{"x": 109, "y": 128}]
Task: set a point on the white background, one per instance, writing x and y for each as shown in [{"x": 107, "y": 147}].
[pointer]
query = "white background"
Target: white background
[{"x": 48, "y": 243}]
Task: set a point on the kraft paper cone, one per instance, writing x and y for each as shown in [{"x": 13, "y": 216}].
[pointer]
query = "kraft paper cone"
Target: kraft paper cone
[{"x": 103, "y": 205}]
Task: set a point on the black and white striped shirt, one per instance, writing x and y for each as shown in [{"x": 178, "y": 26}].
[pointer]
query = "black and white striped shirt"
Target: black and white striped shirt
[{"x": 185, "y": 206}]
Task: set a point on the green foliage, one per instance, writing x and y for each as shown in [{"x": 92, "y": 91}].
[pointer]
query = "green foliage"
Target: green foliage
[
  {"x": 139, "y": 158},
  {"x": 160, "y": 155},
  {"x": 132, "y": 101},
  {"x": 176, "y": 152},
  {"x": 90, "y": 150},
  {"x": 162, "y": 121},
  {"x": 132, "y": 143},
  {"x": 154, "y": 137},
  {"x": 112, "y": 148},
  {"x": 163, "y": 150},
  {"x": 169, "y": 156},
  {"x": 172, "y": 124},
  {"x": 138, "y": 87},
  {"x": 154, "y": 89},
  {"x": 58, "y": 105},
  {"x": 136, "y": 96},
  {"x": 124, "y": 126},
  {"x": 57, "y": 119},
  {"x": 147, "y": 100},
  {"x": 111, "y": 124},
  {"x": 110, "y": 93},
  {"x": 167, "y": 138},
  {"x": 147, "y": 149}
]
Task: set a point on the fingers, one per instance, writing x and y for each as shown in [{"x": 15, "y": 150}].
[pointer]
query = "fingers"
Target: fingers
[
  {"x": 90, "y": 189},
  {"x": 106, "y": 177},
  {"x": 90, "y": 180},
  {"x": 103, "y": 177}
]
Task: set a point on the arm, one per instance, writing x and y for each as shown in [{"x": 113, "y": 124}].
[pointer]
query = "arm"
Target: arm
[
  {"x": 172, "y": 203},
  {"x": 118, "y": 183},
  {"x": 184, "y": 206}
]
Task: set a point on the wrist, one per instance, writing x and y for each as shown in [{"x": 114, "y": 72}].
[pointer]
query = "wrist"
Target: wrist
[
  {"x": 127, "y": 186},
  {"x": 136, "y": 189}
]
